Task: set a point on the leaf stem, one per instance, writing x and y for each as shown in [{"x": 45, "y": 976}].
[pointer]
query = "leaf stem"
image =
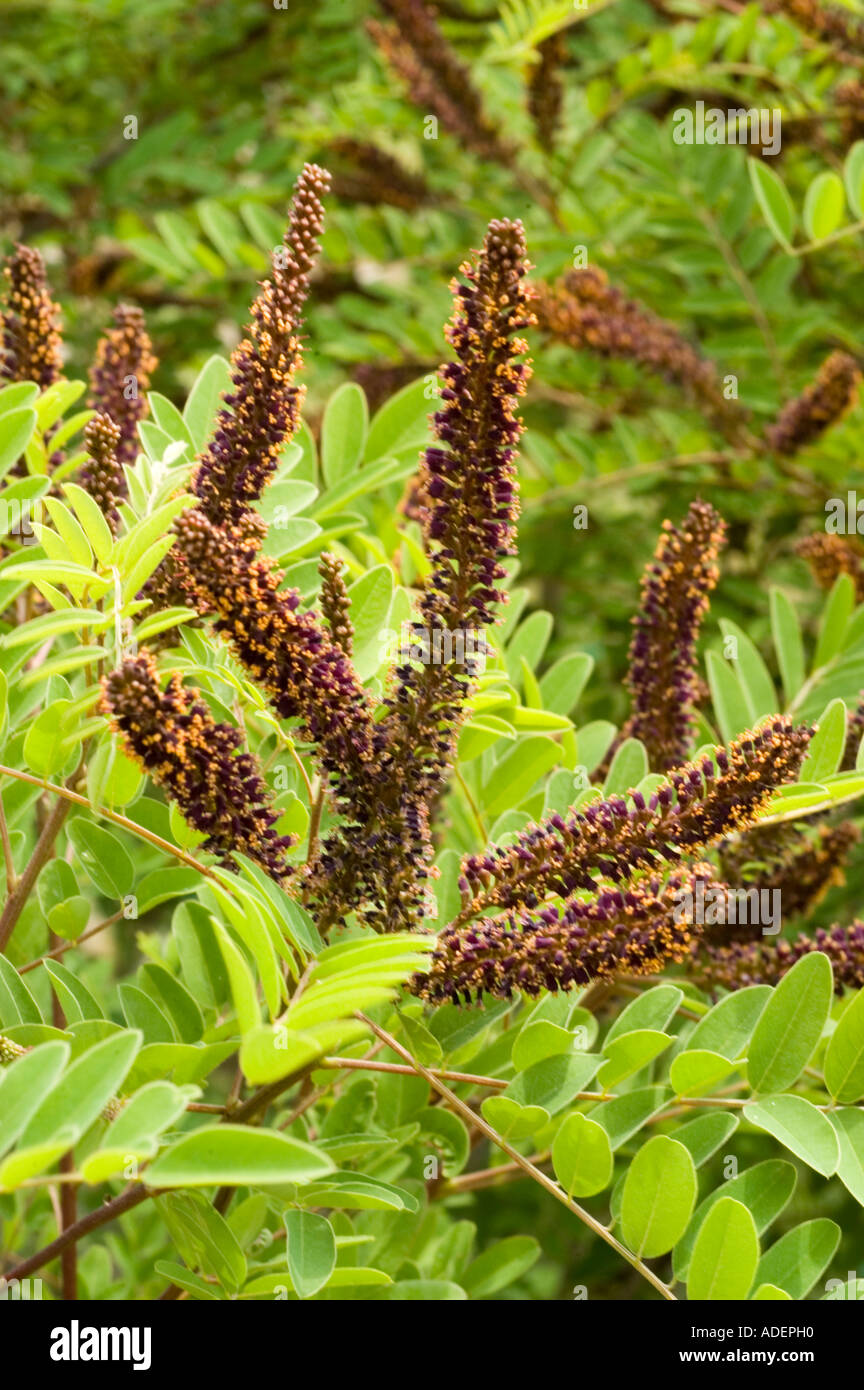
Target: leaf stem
[
  {"x": 70, "y": 945},
  {"x": 361, "y": 1064},
  {"x": 316, "y": 808},
  {"x": 123, "y": 821},
  {"x": 484, "y": 833}
]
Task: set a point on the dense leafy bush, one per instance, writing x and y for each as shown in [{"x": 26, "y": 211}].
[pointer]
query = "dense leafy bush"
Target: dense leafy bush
[{"x": 343, "y": 837}]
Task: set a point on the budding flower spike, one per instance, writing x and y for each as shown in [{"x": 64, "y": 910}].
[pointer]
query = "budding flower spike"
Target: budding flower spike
[
  {"x": 120, "y": 379},
  {"x": 219, "y": 789},
  {"x": 335, "y": 603},
  {"x": 262, "y": 408},
  {"x": 820, "y": 405},
  {"x": 31, "y": 343},
  {"x": 663, "y": 678},
  {"x": 102, "y": 475}
]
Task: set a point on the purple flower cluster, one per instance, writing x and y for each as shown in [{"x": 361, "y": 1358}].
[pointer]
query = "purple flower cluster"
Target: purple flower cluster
[
  {"x": 636, "y": 930},
  {"x": 765, "y": 962},
  {"x": 700, "y": 804},
  {"x": 262, "y": 409},
  {"x": 663, "y": 677},
  {"x": 120, "y": 379},
  {"x": 219, "y": 789}
]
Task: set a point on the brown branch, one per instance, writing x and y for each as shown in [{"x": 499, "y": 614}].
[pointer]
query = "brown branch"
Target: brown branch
[
  {"x": 38, "y": 859},
  {"x": 132, "y": 1197},
  {"x": 488, "y": 1177},
  {"x": 361, "y": 1064},
  {"x": 68, "y": 1214}
]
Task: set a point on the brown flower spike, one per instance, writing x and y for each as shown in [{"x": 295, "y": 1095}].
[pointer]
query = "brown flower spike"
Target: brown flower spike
[
  {"x": 820, "y": 405},
  {"x": 102, "y": 475},
  {"x": 546, "y": 89},
  {"x": 585, "y": 311},
  {"x": 830, "y": 555},
  {"x": 364, "y": 173},
  {"x": 219, "y": 789},
  {"x": 436, "y": 78},
  {"x": 262, "y": 409},
  {"x": 31, "y": 348},
  {"x": 663, "y": 677},
  {"x": 636, "y": 930},
  {"x": 120, "y": 379}
]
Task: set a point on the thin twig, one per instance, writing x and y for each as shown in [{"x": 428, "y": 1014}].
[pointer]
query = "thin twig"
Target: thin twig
[
  {"x": 529, "y": 1168},
  {"x": 123, "y": 821},
  {"x": 361, "y": 1064},
  {"x": 488, "y": 1177},
  {"x": 70, "y": 945},
  {"x": 69, "y": 1212},
  {"x": 475, "y": 811}
]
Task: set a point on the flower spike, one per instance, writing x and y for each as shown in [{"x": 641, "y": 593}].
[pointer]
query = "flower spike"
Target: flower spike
[
  {"x": 262, "y": 409},
  {"x": 219, "y": 789},
  {"x": 120, "y": 379},
  {"x": 663, "y": 679},
  {"x": 31, "y": 344}
]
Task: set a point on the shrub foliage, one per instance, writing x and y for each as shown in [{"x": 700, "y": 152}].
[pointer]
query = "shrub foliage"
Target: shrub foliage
[{"x": 358, "y": 907}]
